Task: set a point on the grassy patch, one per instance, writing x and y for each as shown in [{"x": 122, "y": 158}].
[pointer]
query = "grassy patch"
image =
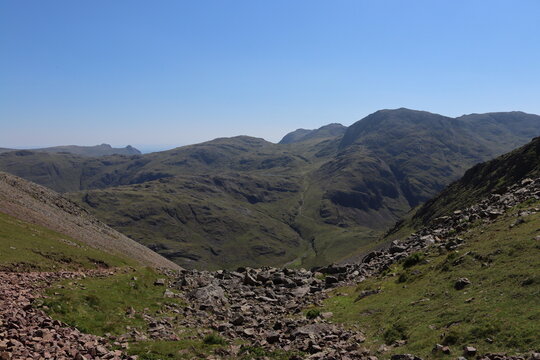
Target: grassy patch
[
  {"x": 497, "y": 312},
  {"x": 183, "y": 349},
  {"x": 24, "y": 246},
  {"x": 108, "y": 305},
  {"x": 253, "y": 352},
  {"x": 214, "y": 339}
]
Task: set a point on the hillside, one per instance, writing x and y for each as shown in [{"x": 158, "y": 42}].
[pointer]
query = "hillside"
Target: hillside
[
  {"x": 465, "y": 283},
  {"x": 492, "y": 177},
  {"x": 89, "y": 151},
  {"x": 29, "y": 203},
  {"x": 324, "y": 132},
  {"x": 308, "y": 202}
]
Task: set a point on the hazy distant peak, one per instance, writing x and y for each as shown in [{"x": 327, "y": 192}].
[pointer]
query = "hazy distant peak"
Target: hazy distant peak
[
  {"x": 90, "y": 151},
  {"x": 326, "y": 131}
]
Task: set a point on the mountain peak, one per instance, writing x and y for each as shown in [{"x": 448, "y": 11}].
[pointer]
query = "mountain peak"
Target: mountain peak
[{"x": 326, "y": 131}]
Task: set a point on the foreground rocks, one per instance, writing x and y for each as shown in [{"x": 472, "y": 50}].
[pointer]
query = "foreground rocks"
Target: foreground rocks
[{"x": 28, "y": 333}]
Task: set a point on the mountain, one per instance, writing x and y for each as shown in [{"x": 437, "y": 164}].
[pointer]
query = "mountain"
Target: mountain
[
  {"x": 244, "y": 201},
  {"x": 37, "y": 205},
  {"x": 327, "y": 131},
  {"x": 90, "y": 151}
]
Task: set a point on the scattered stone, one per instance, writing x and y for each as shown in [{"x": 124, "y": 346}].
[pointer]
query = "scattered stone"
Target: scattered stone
[
  {"x": 461, "y": 283},
  {"x": 159, "y": 282},
  {"x": 469, "y": 351}
]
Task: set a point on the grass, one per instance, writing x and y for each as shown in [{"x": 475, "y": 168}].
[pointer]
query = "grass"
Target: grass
[
  {"x": 214, "y": 339},
  {"x": 498, "y": 312},
  {"x": 101, "y": 305},
  {"x": 182, "y": 349},
  {"x": 24, "y": 247}
]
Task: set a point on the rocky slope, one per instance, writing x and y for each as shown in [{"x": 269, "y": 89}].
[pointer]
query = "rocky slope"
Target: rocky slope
[
  {"x": 38, "y": 205},
  {"x": 29, "y": 333},
  {"x": 307, "y": 203}
]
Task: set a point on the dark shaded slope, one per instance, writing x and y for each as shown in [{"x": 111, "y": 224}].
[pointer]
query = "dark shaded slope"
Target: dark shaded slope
[{"x": 483, "y": 179}]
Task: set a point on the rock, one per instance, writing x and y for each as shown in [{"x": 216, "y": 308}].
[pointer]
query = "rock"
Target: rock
[
  {"x": 239, "y": 320},
  {"x": 168, "y": 294},
  {"x": 249, "y": 280},
  {"x": 405, "y": 357},
  {"x": 461, "y": 283},
  {"x": 327, "y": 315},
  {"x": 159, "y": 282},
  {"x": 300, "y": 291},
  {"x": 469, "y": 351},
  {"x": 210, "y": 293},
  {"x": 331, "y": 280},
  {"x": 273, "y": 337}
]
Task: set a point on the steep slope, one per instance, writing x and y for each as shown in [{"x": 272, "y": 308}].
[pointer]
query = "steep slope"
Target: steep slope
[
  {"x": 38, "y": 205},
  {"x": 483, "y": 179},
  {"x": 324, "y": 132}
]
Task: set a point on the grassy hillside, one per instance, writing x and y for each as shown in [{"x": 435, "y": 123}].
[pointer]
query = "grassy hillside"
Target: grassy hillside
[
  {"x": 38, "y": 205},
  {"x": 28, "y": 247},
  {"x": 417, "y": 302}
]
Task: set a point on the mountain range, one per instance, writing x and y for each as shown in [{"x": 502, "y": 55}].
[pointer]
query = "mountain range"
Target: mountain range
[
  {"x": 316, "y": 197},
  {"x": 90, "y": 151}
]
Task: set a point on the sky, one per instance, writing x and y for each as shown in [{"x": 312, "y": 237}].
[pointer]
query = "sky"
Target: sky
[{"x": 160, "y": 74}]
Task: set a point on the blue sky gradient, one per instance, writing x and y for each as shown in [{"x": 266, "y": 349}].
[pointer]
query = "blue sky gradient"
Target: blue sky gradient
[{"x": 168, "y": 73}]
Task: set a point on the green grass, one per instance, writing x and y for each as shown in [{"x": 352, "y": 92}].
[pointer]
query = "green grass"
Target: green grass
[
  {"x": 100, "y": 305},
  {"x": 24, "y": 247},
  {"x": 419, "y": 303},
  {"x": 182, "y": 349},
  {"x": 214, "y": 339}
]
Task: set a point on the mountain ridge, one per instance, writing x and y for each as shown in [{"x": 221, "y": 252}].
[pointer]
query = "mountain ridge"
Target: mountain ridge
[{"x": 87, "y": 151}]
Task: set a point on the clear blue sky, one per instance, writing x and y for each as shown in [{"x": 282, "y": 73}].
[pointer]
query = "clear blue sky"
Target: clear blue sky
[{"x": 177, "y": 72}]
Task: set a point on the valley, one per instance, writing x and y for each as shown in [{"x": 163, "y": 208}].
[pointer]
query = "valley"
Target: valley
[{"x": 317, "y": 197}]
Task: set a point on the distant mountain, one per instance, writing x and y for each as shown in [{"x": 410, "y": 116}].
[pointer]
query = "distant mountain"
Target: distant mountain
[
  {"x": 35, "y": 204},
  {"x": 90, "y": 151},
  {"x": 245, "y": 201},
  {"x": 327, "y": 131}
]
